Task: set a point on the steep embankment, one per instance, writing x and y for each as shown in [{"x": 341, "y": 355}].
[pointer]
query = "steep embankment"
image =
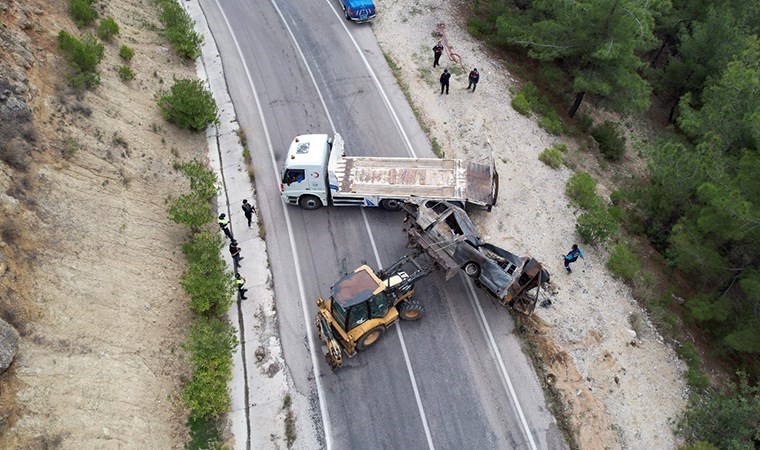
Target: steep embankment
[{"x": 93, "y": 261}]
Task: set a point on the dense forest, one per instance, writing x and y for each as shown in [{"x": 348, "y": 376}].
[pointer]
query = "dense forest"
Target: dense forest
[{"x": 696, "y": 63}]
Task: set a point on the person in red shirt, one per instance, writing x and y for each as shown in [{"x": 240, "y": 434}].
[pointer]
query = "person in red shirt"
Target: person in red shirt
[{"x": 474, "y": 77}]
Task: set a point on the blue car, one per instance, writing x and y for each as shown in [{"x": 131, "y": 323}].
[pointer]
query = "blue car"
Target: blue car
[{"x": 358, "y": 10}]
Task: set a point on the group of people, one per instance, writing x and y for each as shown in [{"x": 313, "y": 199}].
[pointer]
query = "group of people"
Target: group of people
[
  {"x": 224, "y": 224},
  {"x": 474, "y": 76}
]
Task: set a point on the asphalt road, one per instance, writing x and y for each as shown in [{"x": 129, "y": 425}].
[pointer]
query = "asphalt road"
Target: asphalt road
[{"x": 455, "y": 379}]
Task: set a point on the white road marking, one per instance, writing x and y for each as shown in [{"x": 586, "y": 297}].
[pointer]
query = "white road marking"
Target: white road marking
[
  {"x": 410, "y": 150},
  {"x": 473, "y": 296},
  {"x": 291, "y": 237},
  {"x": 502, "y": 367},
  {"x": 409, "y": 369}
]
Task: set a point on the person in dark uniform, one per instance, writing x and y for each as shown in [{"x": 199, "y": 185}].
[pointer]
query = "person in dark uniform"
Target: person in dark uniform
[
  {"x": 445, "y": 81},
  {"x": 437, "y": 52},
  {"x": 474, "y": 77},
  {"x": 239, "y": 283},
  {"x": 235, "y": 252},
  {"x": 224, "y": 224},
  {"x": 249, "y": 211}
]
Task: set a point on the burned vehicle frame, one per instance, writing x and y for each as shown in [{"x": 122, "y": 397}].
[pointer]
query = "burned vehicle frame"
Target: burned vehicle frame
[{"x": 446, "y": 233}]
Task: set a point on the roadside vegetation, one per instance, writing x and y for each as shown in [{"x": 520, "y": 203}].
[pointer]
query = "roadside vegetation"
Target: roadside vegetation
[
  {"x": 178, "y": 29},
  {"x": 697, "y": 204},
  {"x": 210, "y": 286},
  {"x": 188, "y": 104},
  {"x": 83, "y": 55}
]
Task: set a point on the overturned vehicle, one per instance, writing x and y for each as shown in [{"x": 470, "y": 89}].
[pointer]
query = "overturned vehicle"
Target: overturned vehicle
[{"x": 446, "y": 233}]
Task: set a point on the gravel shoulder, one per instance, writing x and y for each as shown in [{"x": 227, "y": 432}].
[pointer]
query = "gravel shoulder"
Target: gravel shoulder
[{"x": 620, "y": 389}]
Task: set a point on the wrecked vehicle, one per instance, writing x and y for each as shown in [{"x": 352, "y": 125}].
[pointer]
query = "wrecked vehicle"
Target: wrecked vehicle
[{"x": 446, "y": 233}]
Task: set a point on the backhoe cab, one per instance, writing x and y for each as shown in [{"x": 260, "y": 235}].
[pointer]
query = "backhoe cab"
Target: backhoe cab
[{"x": 360, "y": 308}]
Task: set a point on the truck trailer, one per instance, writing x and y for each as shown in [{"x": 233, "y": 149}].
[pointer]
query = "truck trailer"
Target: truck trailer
[{"x": 317, "y": 173}]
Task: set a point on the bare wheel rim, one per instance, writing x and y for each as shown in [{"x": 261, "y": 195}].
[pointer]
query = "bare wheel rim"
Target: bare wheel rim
[
  {"x": 372, "y": 337},
  {"x": 412, "y": 313},
  {"x": 471, "y": 269}
]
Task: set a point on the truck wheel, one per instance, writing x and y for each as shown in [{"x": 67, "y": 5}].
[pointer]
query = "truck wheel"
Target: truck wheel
[
  {"x": 390, "y": 204},
  {"x": 472, "y": 269},
  {"x": 309, "y": 202},
  {"x": 370, "y": 338},
  {"x": 410, "y": 310},
  {"x": 345, "y": 13}
]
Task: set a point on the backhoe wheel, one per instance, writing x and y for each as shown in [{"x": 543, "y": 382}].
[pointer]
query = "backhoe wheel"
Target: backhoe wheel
[
  {"x": 410, "y": 310},
  {"x": 370, "y": 338},
  {"x": 309, "y": 202},
  {"x": 471, "y": 269},
  {"x": 390, "y": 204}
]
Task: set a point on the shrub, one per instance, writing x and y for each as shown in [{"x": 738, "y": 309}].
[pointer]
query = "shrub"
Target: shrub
[
  {"x": 125, "y": 73},
  {"x": 82, "y": 12},
  {"x": 206, "y": 280},
  {"x": 581, "y": 188},
  {"x": 211, "y": 344},
  {"x": 596, "y": 225},
  {"x": 126, "y": 53},
  {"x": 610, "y": 139},
  {"x": 108, "y": 28},
  {"x": 696, "y": 378},
  {"x": 202, "y": 180},
  {"x": 553, "y": 156},
  {"x": 84, "y": 56},
  {"x": 623, "y": 263},
  {"x": 728, "y": 418},
  {"x": 521, "y": 104},
  {"x": 188, "y": 104},
  {"x": 586, "y": 122},
  {"x": 178, "y": 29},
  {"x": 551, "y": 124}
]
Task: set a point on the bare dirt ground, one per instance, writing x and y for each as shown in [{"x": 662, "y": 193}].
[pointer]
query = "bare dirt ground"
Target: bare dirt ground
[
  {"x": 92, "y": 280},
  {"x": 618, "y": 388}
]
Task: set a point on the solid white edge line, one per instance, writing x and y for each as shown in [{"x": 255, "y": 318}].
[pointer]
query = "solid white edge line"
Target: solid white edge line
[
  {"x": 387, "y": 101},
  {"x": 471, "y": 291},
  {"x": 291, "y": 237},
  {"x": 408, "y": 361},
  {"x": 413, "y": 380},
  {"x": 502, "y": 366}
]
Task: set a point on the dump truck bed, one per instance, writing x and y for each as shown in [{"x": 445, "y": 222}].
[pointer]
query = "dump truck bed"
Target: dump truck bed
[{"x": 449, "y": 179}]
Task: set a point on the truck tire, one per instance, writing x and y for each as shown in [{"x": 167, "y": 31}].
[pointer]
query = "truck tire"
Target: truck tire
[
  {"x": 472, "y": 269},
  {"x": 391, "y": 204},
  {"x": 410, "y": 310},
  {"x": 309, "y": 202},
  {"x": 345, "y": 13},
  {"x": 370, "y": 338}
]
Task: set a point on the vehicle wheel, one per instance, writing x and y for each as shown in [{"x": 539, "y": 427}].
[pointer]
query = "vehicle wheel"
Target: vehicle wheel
[
  {"x": 471, "y": 269},
  {"x": 390, "y": 204},
  {"x": 345, "y": 13},
  {"x": 410, "y": 310},
  {"x": 309, "y": 202},
  {"x": 370, "y": 338}
]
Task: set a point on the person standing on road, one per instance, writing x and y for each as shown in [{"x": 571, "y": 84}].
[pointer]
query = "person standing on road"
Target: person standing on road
[
  {"x": 235, "y": 252},
  {"x": 437, "y": 52},
  {"x": 249, "y": 211},
  {"x": 474, "y": 77},
  {"x": 445, "y": 81},
  {"x": 224, "y": 223},
  {"x": 572, "y": 256},
  {"x": 239, "y": 283}
]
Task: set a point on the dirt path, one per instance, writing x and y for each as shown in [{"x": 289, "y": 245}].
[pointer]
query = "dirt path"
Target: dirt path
[
  {"x": 619, "y": 388},
  {"x": 100, "y": 363}
]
